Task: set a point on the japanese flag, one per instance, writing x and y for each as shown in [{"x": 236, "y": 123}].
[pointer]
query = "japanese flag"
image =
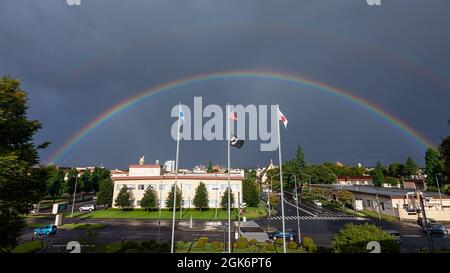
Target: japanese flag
[{"x": 282, "y": 118}]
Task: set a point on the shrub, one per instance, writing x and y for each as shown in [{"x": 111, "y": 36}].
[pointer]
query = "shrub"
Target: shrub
[
  {"x": 309, "y": 245},
  {"x": 252, "y": 242},
  {"x": 353, "y": 238},
  {"x": 216, "y": 244},
  {"x": 129, "y": 245},
  {"x": 292, "y": 245},
  {"x": 200, "y": 244},
  {"x": 242, "y": 243},
  {"x": 235, "y": 245},
  {"x": 270, "y": 247},
  {"x": 279, "y": 241},
  {"x": 203, "y": 239}
]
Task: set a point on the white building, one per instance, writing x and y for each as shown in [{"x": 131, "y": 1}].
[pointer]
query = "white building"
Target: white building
[
  {"x": 141, "y": 176},
  {"x": 169, "y": 166}
]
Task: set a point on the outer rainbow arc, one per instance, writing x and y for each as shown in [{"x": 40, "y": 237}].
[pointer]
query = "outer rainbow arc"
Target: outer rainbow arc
[{"x": 117, "y": 108}]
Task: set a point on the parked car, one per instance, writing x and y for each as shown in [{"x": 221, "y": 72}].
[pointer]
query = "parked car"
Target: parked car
[
  {"x": 394, "y": 234},
  {"x": 87, "y": 208},
  {"x": 436, "y": 228},
  {"x": 317, "y": 203},
  {"x": 289, "y": 234},
  {"x": 429, "y": 220},
  {"x": 47, "y": 230}
]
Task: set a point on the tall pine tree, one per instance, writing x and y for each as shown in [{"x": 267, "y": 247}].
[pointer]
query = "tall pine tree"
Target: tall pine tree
[
  {"x": 169, "y": 200},
  {"x": 224, "y": 201},
  {"x": 149, "y": 200},
  {"x": 201, "y": 197}
]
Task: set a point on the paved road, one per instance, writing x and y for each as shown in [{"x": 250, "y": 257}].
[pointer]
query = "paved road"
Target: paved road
[
  {"x": 322, "y": 223},
  {"x": 134, "y": 230}
]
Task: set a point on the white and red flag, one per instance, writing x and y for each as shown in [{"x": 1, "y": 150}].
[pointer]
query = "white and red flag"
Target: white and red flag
[
  {"x": 282, "y": 118},
  {"x": 233, "y": 116}
]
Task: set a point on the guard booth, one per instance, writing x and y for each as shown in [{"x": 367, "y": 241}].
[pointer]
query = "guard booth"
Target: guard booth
[{"x": 58, "y": 210}]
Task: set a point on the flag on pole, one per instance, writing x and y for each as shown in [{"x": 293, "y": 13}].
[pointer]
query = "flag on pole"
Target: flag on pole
[
  {"x": 233, "y": 116},
  {"x": 181, "y": 113},
  {"x": 236, "y": 142},
  {"x": 282, "y": 118}
]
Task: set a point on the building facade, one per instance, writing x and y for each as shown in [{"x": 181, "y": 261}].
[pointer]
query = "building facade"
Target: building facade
[
  {"x": 141, "y": 176},
  {"x": 355, "y": 180}
]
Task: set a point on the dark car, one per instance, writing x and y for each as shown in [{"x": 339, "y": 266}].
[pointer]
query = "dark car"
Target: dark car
[
  {"x": 289, "y": 234},
  {"x": 436, "y": 228}
]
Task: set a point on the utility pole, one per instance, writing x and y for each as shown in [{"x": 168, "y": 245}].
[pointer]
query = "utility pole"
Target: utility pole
[
  {"x": 239, "y": 214},
  {"x": 298, "y": 215},
  {"x": 425, "y": 222},
  {"x": 379, "y": 212},
  {"x": 74, "y": 194},
  {"x": 439, "y": 190}
]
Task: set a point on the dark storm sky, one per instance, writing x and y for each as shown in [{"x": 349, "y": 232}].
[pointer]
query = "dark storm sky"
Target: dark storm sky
[{"x": 76, "y": 62}]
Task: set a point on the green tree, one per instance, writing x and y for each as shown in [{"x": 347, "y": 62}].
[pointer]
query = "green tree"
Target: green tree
[
  {"x": 345, "y": 197},
  {"x": 169, "y": 200},
  {"x": 444, "y": 150},
  {"x": 150, "y": 198},
  {"x": 391, "y": 181},
  {"x": 300, "y": 163},
  {"x": 72, "y": 179},
  {"x": 210, "y": 167},
  {"x": 433, "y": 165},
  {"x": 395, "y": 169},
  {"x": 55, "y": 184},
  {"x": 353, "y": 238},
  {"x": 105, "y": 193},
  {"x": 250, "y": 193},
  {"x": 123, "y": 199},
  {"x": 21, "y": 183},
  {"x": 201, "y": 197},
  {"x": 224, "y": 199},
  {"x": 378, "y": 174},
  {"x": 410, "y": 167},
  {"x": 96, "y": 177},
  {"x": 84, "y": 182}
]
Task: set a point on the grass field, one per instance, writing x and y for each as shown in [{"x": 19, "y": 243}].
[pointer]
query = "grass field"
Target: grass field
[
  {"x": 384, "y": 217},
  {"x": 251, "y": 213},
  {"x": 28, "y": 247},
  {"x": 82, "y": 226},
  {"x": 183, "y": 247}
]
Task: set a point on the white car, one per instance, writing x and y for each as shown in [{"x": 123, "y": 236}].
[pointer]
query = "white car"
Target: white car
[
  {"x": 87, "y": 208},
  {"x": 317, "y": 203}
]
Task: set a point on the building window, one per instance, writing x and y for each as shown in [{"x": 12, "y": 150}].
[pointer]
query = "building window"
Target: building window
[
  {"x": 141, "y": 187},
  {"x": 369, "y": 203},
  {"x": 382, "y": 205},
  {"x": 138, "y": 202},
  {"x": 187, "y": 187},
  {"x": 119, "y": 186},
  {"x": 162, "y": 187}
]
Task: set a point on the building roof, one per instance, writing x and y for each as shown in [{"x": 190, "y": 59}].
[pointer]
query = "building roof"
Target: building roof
[
  {"x": 146, "y": 166},
  {"x": 180, "y": 177},
  {"x": 392, "y": 192}
]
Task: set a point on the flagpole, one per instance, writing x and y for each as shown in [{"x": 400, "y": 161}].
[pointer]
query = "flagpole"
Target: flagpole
[
  {"x": 229, "y": 186},
  {"x": 281, "y": 179},
  {"x": 175, "y": 184}
]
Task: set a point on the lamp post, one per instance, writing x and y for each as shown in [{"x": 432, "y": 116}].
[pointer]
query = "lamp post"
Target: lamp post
[
  {"x": 439, "y": 190},
  {"x": 298, "y": 215},
  {"x": 74, "y": 194}
]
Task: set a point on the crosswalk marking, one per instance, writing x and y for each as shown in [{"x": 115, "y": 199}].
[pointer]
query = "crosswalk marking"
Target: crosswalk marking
[{"x": 320, "y": 218}]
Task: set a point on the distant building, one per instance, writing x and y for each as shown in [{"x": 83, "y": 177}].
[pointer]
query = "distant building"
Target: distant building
[
  {"x": 415, "y": 184},
  {"x": 169, "y": 166},
  {"x": 140, "y": 177},
  {"x": 355, "y": 180},
  {"x": 400, "y": 203}
]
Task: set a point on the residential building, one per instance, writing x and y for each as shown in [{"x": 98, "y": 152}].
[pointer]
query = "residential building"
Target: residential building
[{"x": 355, "y": 180}]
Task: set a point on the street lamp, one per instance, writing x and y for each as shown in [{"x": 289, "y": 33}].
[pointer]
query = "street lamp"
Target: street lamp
[
  {"x": 74, "y": 194},
  {"x": 439, "y": 190}
]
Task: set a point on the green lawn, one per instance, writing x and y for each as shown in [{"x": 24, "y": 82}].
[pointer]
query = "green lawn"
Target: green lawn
[
  {"x": 384, "y": 217},
  {"x": 210, "y": 214},
  {"x": 82, "y": 226},
  {"x": 113, "y": 248},
  {"x": 28, "y": 247}
]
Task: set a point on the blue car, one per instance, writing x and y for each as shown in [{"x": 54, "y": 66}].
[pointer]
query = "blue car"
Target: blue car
[
  {"x": 46, "y": 230},
  {"x": 289, "y": 234}
]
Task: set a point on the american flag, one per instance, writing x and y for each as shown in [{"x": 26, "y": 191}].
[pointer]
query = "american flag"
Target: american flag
[{"x": 233, "y": 116}]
